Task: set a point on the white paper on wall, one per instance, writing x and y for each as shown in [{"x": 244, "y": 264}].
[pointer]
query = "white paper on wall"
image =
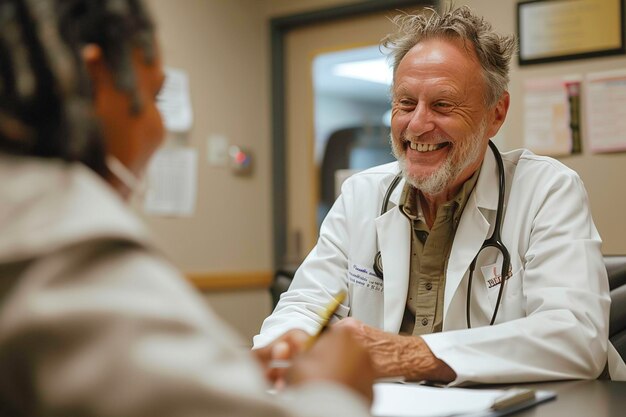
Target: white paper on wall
[
  {"x": 552, "y": 115},
  {"x": 172, "y": 182},
  {"x": 605, "y": 110},
  {"x": 174, "y": 102}
]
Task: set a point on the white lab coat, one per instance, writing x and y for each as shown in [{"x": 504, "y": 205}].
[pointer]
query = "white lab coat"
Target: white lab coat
[{"x": 553, "y": 320}]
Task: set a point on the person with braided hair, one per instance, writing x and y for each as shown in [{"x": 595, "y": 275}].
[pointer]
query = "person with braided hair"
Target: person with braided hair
[{"x": 93, "y": 320}]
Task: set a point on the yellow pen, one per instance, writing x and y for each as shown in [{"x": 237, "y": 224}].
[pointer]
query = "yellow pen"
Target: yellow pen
[{"x": 327, "y": 314}]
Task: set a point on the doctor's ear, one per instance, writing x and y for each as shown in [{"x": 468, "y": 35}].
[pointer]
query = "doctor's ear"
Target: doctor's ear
[{"x": 499, "y": 113}]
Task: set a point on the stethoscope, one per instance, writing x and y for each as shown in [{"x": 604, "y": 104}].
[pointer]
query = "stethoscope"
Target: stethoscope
[{"x": 494, "y": 241}]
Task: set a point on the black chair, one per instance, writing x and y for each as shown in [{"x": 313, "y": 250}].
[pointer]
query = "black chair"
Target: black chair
[
  {"x": 280, "y": 284},
  {"x": 616, "y": 269}
]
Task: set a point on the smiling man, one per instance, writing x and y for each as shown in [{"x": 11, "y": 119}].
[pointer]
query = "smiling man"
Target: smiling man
[{"x": 461, "y": 264}]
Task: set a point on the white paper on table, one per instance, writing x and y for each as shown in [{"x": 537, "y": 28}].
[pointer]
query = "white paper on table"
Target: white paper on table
[
  {"x": 174, "y": 102},
  {"x": 172, "y": 182},
  {"x": 414, "y": 400},
  {"x": 547, "y": 115},
  {"x": 605, "y": 109},
  {"x": 411, "y": 400}
]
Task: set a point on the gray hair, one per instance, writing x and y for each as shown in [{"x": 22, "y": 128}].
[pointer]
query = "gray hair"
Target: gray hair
[{"x": 493, "y": 51}]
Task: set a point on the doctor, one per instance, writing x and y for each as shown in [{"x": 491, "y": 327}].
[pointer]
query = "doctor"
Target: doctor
[{"x": 414, "y": 308}]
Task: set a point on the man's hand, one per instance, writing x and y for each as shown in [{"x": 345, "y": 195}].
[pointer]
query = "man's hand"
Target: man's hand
[
  {"x": 396, "y": 355},
  {"x": 337, "y": 356}
]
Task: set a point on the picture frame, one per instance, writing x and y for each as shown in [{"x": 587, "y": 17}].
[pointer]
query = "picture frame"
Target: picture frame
[{"x": 561, "y": 30}]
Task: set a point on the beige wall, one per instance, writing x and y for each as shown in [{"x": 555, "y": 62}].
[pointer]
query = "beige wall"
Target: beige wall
[
  {"x": 603, "y": 175},
  {"x": 274, "y": 8},
  {"x": 224, "y": 47}
]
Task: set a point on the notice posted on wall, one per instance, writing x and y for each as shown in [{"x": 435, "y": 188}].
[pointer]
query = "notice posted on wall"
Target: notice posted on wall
[
  {"x": 172, "y": 182},
  {"x": 174, "y": 101},
  {"x": 605, "y": 106},
  {"x": 552, "y": 115}
]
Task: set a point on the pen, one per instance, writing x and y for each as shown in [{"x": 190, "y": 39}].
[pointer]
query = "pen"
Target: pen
[{"x": 327, "y": 314}]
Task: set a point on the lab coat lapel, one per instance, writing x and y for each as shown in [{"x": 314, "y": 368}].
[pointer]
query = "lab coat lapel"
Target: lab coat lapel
[
  {"x": 474, "y": 226},
  {"x": 394, "y": 243}
]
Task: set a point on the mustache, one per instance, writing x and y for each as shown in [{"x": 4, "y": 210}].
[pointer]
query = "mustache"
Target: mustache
[{"x": 426, "y": 138}]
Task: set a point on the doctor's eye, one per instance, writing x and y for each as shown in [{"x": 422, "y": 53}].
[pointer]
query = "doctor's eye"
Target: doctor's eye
[
  {"x": 405, "y": 104},
  {"x": 443, "y": 106}
]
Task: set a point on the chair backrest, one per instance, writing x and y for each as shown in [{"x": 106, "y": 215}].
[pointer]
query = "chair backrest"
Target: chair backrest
[
  {"x": 280, "y": 284},
  {"x": 616, "y": 269}
]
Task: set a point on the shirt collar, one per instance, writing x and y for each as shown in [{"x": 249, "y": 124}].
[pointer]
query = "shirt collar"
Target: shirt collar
[{"x": 410, "y": 207}]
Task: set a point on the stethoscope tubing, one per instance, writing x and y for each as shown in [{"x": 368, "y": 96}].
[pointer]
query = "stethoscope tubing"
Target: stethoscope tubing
[{"x": 495, "y": 240}]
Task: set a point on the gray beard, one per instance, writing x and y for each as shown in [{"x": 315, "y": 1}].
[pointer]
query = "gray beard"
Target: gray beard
[{"x": 465, "y": 154}]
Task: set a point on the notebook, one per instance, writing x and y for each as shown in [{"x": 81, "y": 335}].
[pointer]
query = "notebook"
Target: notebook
[{"x": 414, "y": 400}]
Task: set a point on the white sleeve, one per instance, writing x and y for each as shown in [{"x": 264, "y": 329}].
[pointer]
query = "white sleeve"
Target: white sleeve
[
  {"x": 320, "y": 277},
  {"x": 566, "y": 301}
]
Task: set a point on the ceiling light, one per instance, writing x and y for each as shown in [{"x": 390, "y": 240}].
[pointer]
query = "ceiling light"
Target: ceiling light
[{"x": 373, "y": 70}]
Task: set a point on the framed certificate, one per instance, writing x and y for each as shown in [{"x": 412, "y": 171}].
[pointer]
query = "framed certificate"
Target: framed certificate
[{"x": 557, "y": 30}]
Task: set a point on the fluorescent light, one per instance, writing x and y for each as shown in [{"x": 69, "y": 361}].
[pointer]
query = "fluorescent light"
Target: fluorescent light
[{"x": 373, "y": 70}]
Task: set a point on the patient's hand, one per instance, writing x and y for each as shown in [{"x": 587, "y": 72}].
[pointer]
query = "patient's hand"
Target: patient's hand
[
  {"x": 284, "y": 348},
  {"x": 336, "y": 356}
]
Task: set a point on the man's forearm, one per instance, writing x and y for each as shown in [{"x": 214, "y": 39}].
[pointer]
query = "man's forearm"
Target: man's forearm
[{"x": 408, "y": 356}]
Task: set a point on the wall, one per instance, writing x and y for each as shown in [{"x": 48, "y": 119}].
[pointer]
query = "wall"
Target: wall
[
  {"x": 603, "y": 175},
  {"x": 275, "y": 8},
  {"x": 223, "y": 45}
]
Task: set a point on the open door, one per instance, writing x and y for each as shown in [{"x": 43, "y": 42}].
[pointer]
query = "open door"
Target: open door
[{"x": 302, "y": 176}]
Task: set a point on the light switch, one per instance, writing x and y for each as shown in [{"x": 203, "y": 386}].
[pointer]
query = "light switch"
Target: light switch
[{"x": 217, "y": 150}]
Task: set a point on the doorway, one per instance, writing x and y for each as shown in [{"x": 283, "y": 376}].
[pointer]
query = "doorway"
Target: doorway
[
  {"x": 351, "y": 90},
  {"x": 296, "y": 156}
]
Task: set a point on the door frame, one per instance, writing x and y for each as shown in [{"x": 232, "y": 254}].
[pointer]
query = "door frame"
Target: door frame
[{"x": 279, "y": 27}]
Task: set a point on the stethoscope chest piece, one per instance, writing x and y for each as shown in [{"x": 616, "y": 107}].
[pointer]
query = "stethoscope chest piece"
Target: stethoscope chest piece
[{"x": 378, "y": 265}]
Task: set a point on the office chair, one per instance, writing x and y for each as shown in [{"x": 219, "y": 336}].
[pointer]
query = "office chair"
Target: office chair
[
  {"x": 616, "y": 269},
  {"x": 280, "y": 284}
]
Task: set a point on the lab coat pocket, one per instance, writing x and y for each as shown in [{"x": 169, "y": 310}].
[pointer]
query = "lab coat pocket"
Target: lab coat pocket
[
  {"x": 363, "y": 277},
  {"x": 366, "y": 295}
]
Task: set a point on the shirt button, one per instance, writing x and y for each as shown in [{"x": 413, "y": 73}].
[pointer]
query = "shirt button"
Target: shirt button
[
  {"x": 424, "y": 321},
  {"x": 429, "y": 286}
]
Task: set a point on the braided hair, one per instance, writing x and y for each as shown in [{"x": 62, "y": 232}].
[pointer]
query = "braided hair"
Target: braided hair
[{"x": 46, "y": 99}]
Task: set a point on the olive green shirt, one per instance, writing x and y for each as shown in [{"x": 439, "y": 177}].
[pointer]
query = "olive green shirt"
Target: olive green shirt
[{"x": 430, "y": 250}]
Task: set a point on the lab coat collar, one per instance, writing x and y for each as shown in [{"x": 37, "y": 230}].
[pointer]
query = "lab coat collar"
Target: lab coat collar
[
  {"x": 485, "y": 192},
  {"x": 474, "y": 226},
  {"x": 394, "y": 242}
]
